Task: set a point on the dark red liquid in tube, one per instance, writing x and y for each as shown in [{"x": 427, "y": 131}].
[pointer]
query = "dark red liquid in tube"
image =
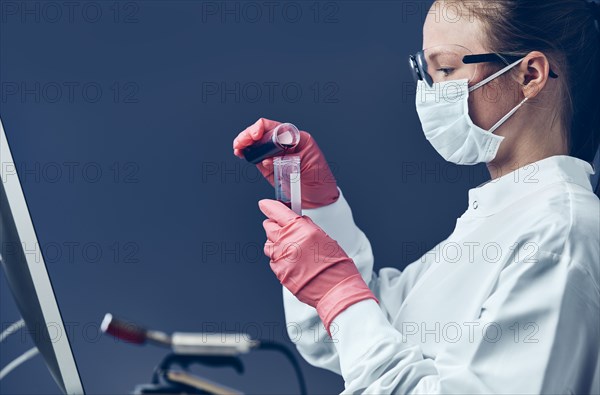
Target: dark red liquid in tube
[{"x": 273, "y": 143}]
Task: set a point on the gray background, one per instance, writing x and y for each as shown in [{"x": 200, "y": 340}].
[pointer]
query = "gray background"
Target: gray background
[{"x": 121, "y": 124}]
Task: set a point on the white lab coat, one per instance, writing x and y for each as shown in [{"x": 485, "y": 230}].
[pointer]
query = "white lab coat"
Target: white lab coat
[{"x": 509, "y": 303}]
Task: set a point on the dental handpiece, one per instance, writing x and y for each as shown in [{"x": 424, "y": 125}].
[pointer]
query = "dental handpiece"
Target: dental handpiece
[{"x": 180, "y": 343}]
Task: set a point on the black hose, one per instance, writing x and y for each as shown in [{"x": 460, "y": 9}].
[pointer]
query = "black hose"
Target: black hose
[{"x": 271, "y": 345}]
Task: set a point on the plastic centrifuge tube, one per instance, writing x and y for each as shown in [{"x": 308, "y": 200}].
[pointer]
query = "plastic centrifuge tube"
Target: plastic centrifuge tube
[
  {"x": 273, "y": 143},
  {"x": 286, "y": 170}
]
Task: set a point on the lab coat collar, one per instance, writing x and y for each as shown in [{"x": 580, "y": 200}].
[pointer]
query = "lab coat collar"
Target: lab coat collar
[{"x": 495, "y": 195}]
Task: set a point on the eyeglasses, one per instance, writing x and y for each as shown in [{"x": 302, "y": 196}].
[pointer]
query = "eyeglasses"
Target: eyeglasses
[{"x": 453, "y": 62}]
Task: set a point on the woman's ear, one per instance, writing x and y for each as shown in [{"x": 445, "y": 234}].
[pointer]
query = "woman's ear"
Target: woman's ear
[{"x": 533, "y": 73}]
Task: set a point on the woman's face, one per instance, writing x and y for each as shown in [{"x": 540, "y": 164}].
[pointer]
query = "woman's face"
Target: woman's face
[{"x": 447, "y": 24}]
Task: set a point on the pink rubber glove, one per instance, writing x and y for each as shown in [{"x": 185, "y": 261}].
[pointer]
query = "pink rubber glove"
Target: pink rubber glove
[
  {"x": 318, "y": 185},
  {"x": 310, "y": 264}
]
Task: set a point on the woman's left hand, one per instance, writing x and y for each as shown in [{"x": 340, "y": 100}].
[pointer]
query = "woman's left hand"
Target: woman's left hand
[{"x": 309, "y": 263}]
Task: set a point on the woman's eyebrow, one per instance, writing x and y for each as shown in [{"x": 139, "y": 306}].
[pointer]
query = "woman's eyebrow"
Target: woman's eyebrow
[{"x": 434, "y": 54}]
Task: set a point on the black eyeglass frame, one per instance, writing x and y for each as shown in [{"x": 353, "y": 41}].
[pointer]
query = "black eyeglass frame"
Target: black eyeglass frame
[{"x": 507, "y": 59}]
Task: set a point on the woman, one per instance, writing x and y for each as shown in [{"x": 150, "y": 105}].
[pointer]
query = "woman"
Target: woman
[{"x": 511, "y": 83}]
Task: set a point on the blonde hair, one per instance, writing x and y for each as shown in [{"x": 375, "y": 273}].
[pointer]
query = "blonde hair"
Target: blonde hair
[{"x": 566, "y": 31}]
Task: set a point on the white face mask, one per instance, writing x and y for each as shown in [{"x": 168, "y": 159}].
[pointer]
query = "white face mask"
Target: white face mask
[{"x": 444, "y": 113}]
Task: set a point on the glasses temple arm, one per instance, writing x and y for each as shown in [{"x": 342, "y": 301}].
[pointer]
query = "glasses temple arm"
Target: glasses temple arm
[{"x": 495, "y": 57}]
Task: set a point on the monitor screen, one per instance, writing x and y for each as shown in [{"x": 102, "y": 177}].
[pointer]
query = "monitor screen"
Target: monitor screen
[{"x": 28, "y": 278}]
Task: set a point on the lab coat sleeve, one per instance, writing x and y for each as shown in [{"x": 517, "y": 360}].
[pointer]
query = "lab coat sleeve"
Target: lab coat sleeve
[
  {"x": 389, "y": 285},
  {"x": 304, "y": 325},
  {"x": 533, "y": 335}
]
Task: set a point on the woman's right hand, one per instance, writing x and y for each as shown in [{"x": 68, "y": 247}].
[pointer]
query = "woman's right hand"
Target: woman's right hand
[{"x": 319, "y": 187}]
